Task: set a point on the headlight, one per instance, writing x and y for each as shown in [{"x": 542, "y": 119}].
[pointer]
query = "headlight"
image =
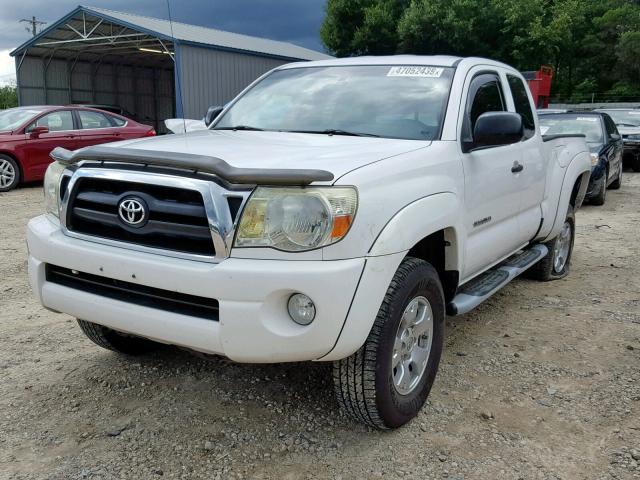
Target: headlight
[
  {"x": 295, "y": 218},
  {"x": 52, "y": 188},
  {"x": 594, "y": 159}
]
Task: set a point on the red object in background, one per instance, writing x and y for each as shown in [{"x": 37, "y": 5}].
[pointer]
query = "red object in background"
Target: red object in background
[
  {"x": 28, "y": 134},
  {"x": 540, "y": 85}
]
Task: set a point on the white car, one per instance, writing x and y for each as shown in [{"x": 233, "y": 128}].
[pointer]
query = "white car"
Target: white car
[{"x": 335, "y": 211}]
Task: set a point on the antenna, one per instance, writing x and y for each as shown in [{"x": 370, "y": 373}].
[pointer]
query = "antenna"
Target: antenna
[
  {"x": 175, "y": 65},
  {"x": 34, "y": 25}
]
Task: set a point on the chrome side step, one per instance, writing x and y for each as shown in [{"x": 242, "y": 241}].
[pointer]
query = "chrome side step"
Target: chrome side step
[{"x": 477, "y": 290}]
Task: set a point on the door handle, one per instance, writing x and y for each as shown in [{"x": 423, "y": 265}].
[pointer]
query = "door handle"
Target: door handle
[{"x": 517, "y": 167}]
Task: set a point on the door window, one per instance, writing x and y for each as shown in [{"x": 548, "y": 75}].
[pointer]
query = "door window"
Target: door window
[
  {"x": 522, "y": 104},
  {"x": 55, "y": 121},
  {"x": 610, "y": 126},
  {"x": 89, "y": 119},
  {"x": 485, "y": 95}
]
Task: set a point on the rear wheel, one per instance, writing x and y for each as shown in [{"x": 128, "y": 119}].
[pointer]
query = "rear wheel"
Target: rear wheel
[
  {"x": 115, "y": 341},
  {"x": 556, "y": 263},
  {"x": 9, "y": 173},
  {"x": 387, "y": 381}
]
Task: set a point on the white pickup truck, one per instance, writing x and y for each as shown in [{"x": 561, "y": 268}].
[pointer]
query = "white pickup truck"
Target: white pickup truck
[{"x": 334, "y": 211}]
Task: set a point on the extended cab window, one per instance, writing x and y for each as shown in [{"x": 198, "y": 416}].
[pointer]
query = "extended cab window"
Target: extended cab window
[
  {"x": 485, "y": 95},
  {"x": 56, "y": 121},
  {"x": 523, "y": 107},
  {"x": 89, "y": 119}
]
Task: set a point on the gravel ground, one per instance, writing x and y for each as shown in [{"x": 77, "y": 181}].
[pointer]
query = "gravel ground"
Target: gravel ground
[{"x": 540, "y": 382}]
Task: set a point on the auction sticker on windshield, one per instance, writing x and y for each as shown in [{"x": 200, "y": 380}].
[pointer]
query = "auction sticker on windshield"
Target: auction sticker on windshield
[{"x": 415, "y": 71}]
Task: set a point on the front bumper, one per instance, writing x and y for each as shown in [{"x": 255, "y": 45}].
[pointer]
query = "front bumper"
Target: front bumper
[{"x": 253, "y": 324}]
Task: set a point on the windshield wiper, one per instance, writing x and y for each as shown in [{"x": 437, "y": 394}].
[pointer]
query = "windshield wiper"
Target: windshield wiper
[
  {"x": 335, "y": 131},
  {"x": 241, "y": 127}
]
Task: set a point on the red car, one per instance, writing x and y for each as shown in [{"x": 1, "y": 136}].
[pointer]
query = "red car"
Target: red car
[{"x": 28, "y": 134}]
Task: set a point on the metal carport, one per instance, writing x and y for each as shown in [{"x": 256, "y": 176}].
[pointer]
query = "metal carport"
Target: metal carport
[{"x": 143, "y": 64}]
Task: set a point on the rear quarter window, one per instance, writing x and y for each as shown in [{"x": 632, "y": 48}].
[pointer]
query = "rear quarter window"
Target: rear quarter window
[
  {"x": 117, "y": 121},
  {"x": 90, "y": 120}
]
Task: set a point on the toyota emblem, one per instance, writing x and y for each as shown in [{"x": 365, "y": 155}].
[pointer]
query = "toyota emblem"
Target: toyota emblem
[{"x": 133, "y": 211}]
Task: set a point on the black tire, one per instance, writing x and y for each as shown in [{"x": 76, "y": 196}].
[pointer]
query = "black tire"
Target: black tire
[
  {"x": 118, "y": 342},
  {"x": 544, "y": 270},
  {"x": 11, "y": 164},
  {"x": 617, "y": 183},
  {"x": 363, "y": 382},
  {"x": 601, "y": 195}
]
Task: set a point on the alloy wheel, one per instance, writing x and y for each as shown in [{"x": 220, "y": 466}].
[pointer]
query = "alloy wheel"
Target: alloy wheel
[
  {"x": 562, "y": 247},
  {"x": 7, "y": 173},
  {"x": 412, "y": 345}
]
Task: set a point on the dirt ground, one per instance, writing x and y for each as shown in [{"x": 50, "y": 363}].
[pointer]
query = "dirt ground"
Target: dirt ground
[{"x": 541, "y": 382}]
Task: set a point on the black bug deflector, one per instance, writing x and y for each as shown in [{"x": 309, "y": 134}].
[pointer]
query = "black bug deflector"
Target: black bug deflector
[{"x": 200, "y": 163}]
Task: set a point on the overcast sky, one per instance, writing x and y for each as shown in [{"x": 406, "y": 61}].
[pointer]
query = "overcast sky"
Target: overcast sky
[{"x": 295, "y": 21}]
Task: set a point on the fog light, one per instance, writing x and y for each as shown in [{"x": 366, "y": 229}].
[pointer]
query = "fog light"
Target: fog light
[{"x": 301, "y": 309}]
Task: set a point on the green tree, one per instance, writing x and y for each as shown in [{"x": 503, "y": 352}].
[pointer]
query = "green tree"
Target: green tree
[
  {"x": 593, "y": 45},
  {"x": 361, "y": 27},
  {"x": 628, "y": 54},
  {"x": 8, "y": 97},
  {"x": 455, "y": 27}
]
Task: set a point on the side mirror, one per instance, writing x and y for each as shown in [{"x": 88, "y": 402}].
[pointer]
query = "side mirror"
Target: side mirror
[
  {"x": 615, "y": 136},
  {"x": 212, "y": 114},
  {"x": 39, "y": 130},
  {"x": 497, "y": 128}
]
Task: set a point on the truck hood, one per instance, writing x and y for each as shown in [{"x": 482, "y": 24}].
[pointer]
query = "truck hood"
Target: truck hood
[{"x": 247, "y": 149}]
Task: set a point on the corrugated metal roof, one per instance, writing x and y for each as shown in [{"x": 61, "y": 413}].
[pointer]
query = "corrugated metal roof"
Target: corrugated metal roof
[{"x": 210, "y": 36}]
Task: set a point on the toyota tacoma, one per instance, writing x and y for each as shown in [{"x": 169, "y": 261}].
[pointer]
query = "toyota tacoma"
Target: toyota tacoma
[{"x": 334, "y": 211}]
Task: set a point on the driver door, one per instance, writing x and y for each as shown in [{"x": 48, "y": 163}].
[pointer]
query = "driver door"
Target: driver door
[
  {"x": 492, "y": 191},
  {"x": 37, "y": 148}
]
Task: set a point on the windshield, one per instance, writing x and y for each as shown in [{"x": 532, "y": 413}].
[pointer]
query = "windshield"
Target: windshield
[
  {"x": 14, "y": 117},
  {"x": 624, "y": 118},
  {"x": 587, "y": 125},
  {"x": 388, "y": 101}
]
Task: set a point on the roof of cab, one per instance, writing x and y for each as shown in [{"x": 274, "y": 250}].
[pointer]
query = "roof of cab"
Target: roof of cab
[{"x": 430, "y": 60}]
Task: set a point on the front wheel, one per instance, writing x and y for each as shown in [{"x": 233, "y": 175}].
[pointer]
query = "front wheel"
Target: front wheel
[
  {"x": 387, "y": 381},
  {"x": 601, "y": 194},
  {"x": 9, "y": 173},
  {"x": 115, "y": 341},
  {"x": 556, "y": 263}
]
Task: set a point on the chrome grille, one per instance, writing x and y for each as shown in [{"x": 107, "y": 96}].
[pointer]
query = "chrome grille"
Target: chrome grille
[
  {"x": 177, "y": 218},
  {"x": 187, "y": 217}
]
